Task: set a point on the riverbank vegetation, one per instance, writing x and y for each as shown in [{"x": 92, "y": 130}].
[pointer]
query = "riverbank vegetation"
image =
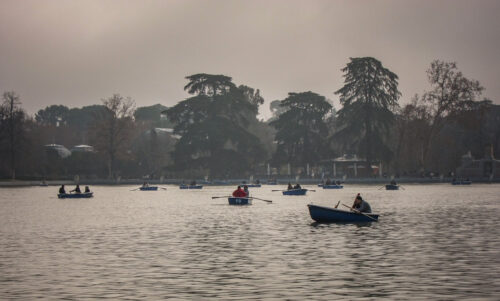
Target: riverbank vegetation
[{"x": 216, "y": 131}]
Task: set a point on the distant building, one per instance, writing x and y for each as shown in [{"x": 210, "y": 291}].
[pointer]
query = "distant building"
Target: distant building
[
  {"x": 82, "y": 148},
  {"x": 59, "y": 150},
  {"x": 488, "y": 167},
  {"x": 351, "y": 166}
]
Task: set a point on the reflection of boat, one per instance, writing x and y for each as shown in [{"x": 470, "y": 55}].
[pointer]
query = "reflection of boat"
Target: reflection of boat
[
  {"x": 239, "y": 201},
  {"x": 391, "y": 187},
  {"x": 149, "y": 188},
  {"x": 332, "y": 215},
  {"x": 334, "y": 186},
  {"x": 301, "y": 191},
  {"x": 191, "y": 186},
  {"x": 75, "y": 195},
  {"x": 463, "y": 182}
]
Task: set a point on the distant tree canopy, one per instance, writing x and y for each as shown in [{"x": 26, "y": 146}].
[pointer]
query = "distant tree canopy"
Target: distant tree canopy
[
  {"x": 152, "y": 114},
  {"x": 369, "y": 96},
  {"x": 111, "y": 129},
  {"x": 301, "y": 129},
  {"x": 52, "y": 115},
  {"x": 213, "y": 126}
]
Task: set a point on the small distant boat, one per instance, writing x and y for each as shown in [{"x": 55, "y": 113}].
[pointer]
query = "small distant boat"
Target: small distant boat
[
  {"x": 252, "y": 185},
  {"x": 320, "y": 185},
  {"x": 190, "y": 186},
  {"x": 391, "y": 187},
  {"x": 301, "y": 191},
  {"x": 272, "y": 183},
  {"x": 333, "y": 215},
  {"x": 239, "y": 201},
  {"x": 463, "y": 182},
  {"x": 84, "y": 195},
  {"x": 334, "y": 186},
  {"x": 149, "y": 188}
]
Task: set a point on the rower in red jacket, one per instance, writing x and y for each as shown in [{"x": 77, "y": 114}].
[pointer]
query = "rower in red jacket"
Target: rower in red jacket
[{"x": 239, "y": 193}]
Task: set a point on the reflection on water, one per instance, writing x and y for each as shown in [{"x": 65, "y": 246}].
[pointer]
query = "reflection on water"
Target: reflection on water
[{"x": 432, "y": 242}]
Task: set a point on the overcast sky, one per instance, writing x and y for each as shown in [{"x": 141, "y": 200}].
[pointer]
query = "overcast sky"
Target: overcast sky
[{"x": 78, "y": 52}]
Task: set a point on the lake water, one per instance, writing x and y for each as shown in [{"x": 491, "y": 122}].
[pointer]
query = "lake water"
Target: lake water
[{"x": 432, "y": 242}]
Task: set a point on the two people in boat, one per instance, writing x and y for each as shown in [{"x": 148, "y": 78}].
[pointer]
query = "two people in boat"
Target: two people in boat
[
  {"x": 361, "y": 205},
  {"x": 240, "y": 193},
  {"x": 331, "y": 182},
  {"x": 76, "y": 190},
  {"x": 296, "y": 186}
]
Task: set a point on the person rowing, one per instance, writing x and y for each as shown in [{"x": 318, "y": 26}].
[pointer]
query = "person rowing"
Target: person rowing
[
  {"x": 77, "y": 189},
  {"x": 87, "y": 189},
  {"x": 62, "y": 190},
  {"x": 239, "y": 193},
  {"x": 290, "y": 187},
  {"x": 245, "y": 189},
  {"x": 361, "y": 205},
  {"x": 297, "y": 186}
]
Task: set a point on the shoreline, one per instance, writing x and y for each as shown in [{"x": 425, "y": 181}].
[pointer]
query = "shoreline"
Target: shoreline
[{"x": 231, "y": 182}]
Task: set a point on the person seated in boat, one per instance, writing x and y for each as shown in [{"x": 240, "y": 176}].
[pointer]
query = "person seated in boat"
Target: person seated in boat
[
  {"x": 239, "y": 193},
  {"x": 361, "y": 205},
  {"x": 245, "y": 189},
  {"x": 62, "y": 190},
  {"x": 257, "y": 182},
  {"x": 337, "y": 182},
  {"x": 193, "y": 183},
  {"x": 328, "y": 182},
  {"x": 87, "y": 189},
  {"x": 145, "y": 185},
  {"x": 290, "y": 187},
  {"x": 297, "y": 186},
  {"x": 393, "y": 182},
  {"x": 77, "y": 189}
]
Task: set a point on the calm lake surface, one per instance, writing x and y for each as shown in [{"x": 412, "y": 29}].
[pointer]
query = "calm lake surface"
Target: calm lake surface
[{"x": 432, "y": 242}]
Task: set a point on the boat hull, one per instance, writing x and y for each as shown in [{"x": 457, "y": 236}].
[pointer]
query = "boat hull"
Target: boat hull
[
  {"x": 239, "y": 201},
  {"x": 84, "y": 195},
  {"x": 331, "y": 215},
  {"x": 252, "y": 185},
  {"x": 391, "y": 187},
  {"x": 150, "y": 188},
  {"x": 333, "y": 186},
  {"x": 295, "y": 192},
  {"x": 191, "y": 186}
]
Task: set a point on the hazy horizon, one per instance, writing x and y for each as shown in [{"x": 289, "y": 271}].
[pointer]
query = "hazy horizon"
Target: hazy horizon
[{"x": 77, "y": 52}]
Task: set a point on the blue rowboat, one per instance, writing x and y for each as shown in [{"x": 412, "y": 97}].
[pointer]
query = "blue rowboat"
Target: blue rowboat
[
  {"x": 391, "y": 187},
  {"x": 239, "y": 201},
  {"x": 252, "y": 185},
  {"x": 84, "y": 195},
  {"x": 334, "y": 186},
  {"x": 191, "y": 186},
  {"x": 295, "y": 192},
  {"x": 461, "y": 182},
  {"x": 332, "y": 215},
  {"x": 320, "y": 185},
  {"x": 149, "y": 188}
]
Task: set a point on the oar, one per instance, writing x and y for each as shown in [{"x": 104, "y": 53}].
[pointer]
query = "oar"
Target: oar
[
  {"x": 134, "y": 189},
  {"x": 357, "y": 211},
  {"x": 219, "y": 197},
  {"x": 278, "y": 190},
  {"x": 269, "y": 201},
  {"x": 381, "y": 187},
  {"x": 402, "y": 187},
  {"x": 336, "y": 206},
  {"x": 311, "y": 190},
  {"x": 163, "y": 188}
]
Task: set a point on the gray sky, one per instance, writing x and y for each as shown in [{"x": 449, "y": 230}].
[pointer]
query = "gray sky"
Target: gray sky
[{"x": 77, "y": 52}]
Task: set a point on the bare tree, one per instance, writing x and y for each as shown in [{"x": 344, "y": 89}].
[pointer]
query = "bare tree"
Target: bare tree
[
  {"x": 112, "y": 129},
  {"x": 12, "y": 120}
]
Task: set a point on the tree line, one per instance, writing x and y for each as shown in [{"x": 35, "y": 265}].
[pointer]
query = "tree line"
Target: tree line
[{"x": 216, "y": 132}]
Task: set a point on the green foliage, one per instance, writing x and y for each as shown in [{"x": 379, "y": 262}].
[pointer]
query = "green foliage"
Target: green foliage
[
  {"x": 53, "y": 115},
  {"x": 152, "y": 115},
  {"x": 369, "y": 96},
  {"x": 213, "y": 126},
  {"x": 301, "y": 129}
]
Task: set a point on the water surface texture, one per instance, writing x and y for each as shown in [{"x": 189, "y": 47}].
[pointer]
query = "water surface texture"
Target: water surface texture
[{"x": 432, "y": 242}]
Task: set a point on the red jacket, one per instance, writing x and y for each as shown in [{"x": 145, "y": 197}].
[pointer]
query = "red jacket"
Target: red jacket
[{"x": 239, "y": 193}]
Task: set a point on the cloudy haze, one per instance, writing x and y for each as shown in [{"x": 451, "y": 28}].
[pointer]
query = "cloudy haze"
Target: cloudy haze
[{"x": 77, "y": 52}]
